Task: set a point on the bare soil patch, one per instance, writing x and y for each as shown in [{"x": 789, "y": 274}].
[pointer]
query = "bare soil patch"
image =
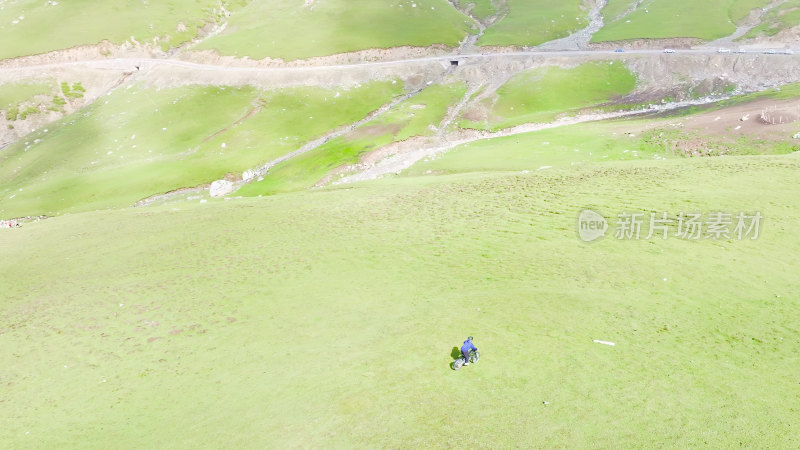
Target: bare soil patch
[
  {"x": 376, "y": 130},
  {"x": 753, "y": 119}
]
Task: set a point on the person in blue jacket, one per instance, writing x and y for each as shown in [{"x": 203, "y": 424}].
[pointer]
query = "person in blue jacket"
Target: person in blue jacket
[{"x": 465, "y": 349}]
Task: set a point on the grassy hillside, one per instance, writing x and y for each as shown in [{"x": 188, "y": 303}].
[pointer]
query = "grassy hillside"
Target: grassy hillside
[
  {"x": 589, "y": 143},
  {"x": 32, "y": 26},
  {"x": 13, "y": 94},
  {"x": 655, "y": 19},
  {"x": 327, "y": 318},
  {"x": 615, "y": 8},
  {"x": 558, "y": 147},
  {"x": 539, "y": 95},
  {"x": 139, "y": 142},
  {"x": 782, "y": 17},
  {"x": 262, "y": 28},
  {"x": 414, "y": 117},
  {"x": 481, "y": 9},
  {"x": 257, "y": 28},
  {"x": 532, "y": 22}
]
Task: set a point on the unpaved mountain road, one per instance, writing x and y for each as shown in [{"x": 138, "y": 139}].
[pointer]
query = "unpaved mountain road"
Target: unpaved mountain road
[{"x": 141, "y": 64}]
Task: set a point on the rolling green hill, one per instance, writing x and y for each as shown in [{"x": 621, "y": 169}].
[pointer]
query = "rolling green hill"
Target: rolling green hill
[
  {"x": 294, "y": 29},
  {"x": 528, "y": 23},
  {"x": 656, "y": 19},
  {"x": 30, "y": 26},
  {"x": 138, "y": 142},
  {"x": 244, "y": 322},
  {"x": 137, "y": 311},
  {"x": 337, "y": 26},
  {"x": 541, "y": 94}
]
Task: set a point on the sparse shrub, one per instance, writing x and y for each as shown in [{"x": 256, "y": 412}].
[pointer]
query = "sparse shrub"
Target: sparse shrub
[
  {"x": 12, "y": 113},
  {"x": 74, "y": 91},
  {"x": 29, "y": 111}
]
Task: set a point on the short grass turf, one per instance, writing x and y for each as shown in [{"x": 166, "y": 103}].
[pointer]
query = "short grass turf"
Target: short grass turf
[
  {"x": 615, "y": 8},
  {"x": 411, "y": 118},
  {"x": 660, "y": 19},
  {"x": 589, "y": 143},
  {"x": 541, "y": 94},
  {"x": 12, "y": 94},
  {"x": 782, "y": 17},
  {"x": 328, "y": 318},
  {"x": 137, "y": 142},
  {"x": 31, "y": 26},
  {"x": 261, "y": 28},
  {"x": 546, "y": 149},
  {"x": 533, "y": 22},
  {"x": 480, "y": 9}
]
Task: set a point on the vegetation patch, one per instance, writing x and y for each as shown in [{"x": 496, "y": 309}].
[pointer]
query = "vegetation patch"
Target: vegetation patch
[
  {"x": 662, "y": 19},
  {"x": 480, "y": 9},
  {"x": 533, "y": 22},
  {"x": 337, "y": 26},
  {"x": 541, "y": 94},
  {"x": 30, "y": 27},
  {"x": 14, "y": 94},
  {"x": 783, "y": 17},
  {"x": 199, "y": 323},
  {"x": 558, "y": 147},
  {"x": 137, "y": 142},
  {"x": 414, "y": 117}
]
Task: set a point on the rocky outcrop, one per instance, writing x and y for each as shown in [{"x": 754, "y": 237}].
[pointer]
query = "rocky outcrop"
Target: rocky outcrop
[{"x": 221, "y": 188}]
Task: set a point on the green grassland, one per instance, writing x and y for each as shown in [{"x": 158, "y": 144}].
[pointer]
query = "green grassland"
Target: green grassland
[
  {"x": 409, "y": 119},
  {"x": 593, "y": 142},
  {"x": 32, "y": 26},
  {"x": 782, "y": 17},
  {"x": 336, "y": 26},
  {"x": 137, "y": 142},
  {"x": 539, "y": 95},
  {"x": 327, "y": 318},
  {"x": 615, "y": 8},
  {"x": 533, "y": 22},
  {"x": 551, "y": 148},
  {"x": 12, "y": 94},
  {"x": 655, "y": 19},
  {"x": 481, "y": 9},
  {"x": 25, "y": 99}
]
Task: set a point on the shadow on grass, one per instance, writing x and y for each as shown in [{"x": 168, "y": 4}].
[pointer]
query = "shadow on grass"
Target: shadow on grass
[{"x": 455, "y": 353}]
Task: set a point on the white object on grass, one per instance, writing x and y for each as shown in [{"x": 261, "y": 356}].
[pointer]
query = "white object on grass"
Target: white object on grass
[{"x": 604, "y": 342}]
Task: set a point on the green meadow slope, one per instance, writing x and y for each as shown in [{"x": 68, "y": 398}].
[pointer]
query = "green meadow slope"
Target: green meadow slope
[
  {"x": 256, "y": 28},
  {"x": 328, "y": 318},
  {"x": 292, "y": 31},
  {"x": 783, "y": 17},
  {"x": 533, "y": 22},
  {"x": 415, "y": 117},
  {"x": 298, "y": 313},
  {"x": 30, "y": 27},
  {"x": 656, "y": 19},
  {"x": 539, "y": 95},
  {"x": 137, "y": 142}
]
